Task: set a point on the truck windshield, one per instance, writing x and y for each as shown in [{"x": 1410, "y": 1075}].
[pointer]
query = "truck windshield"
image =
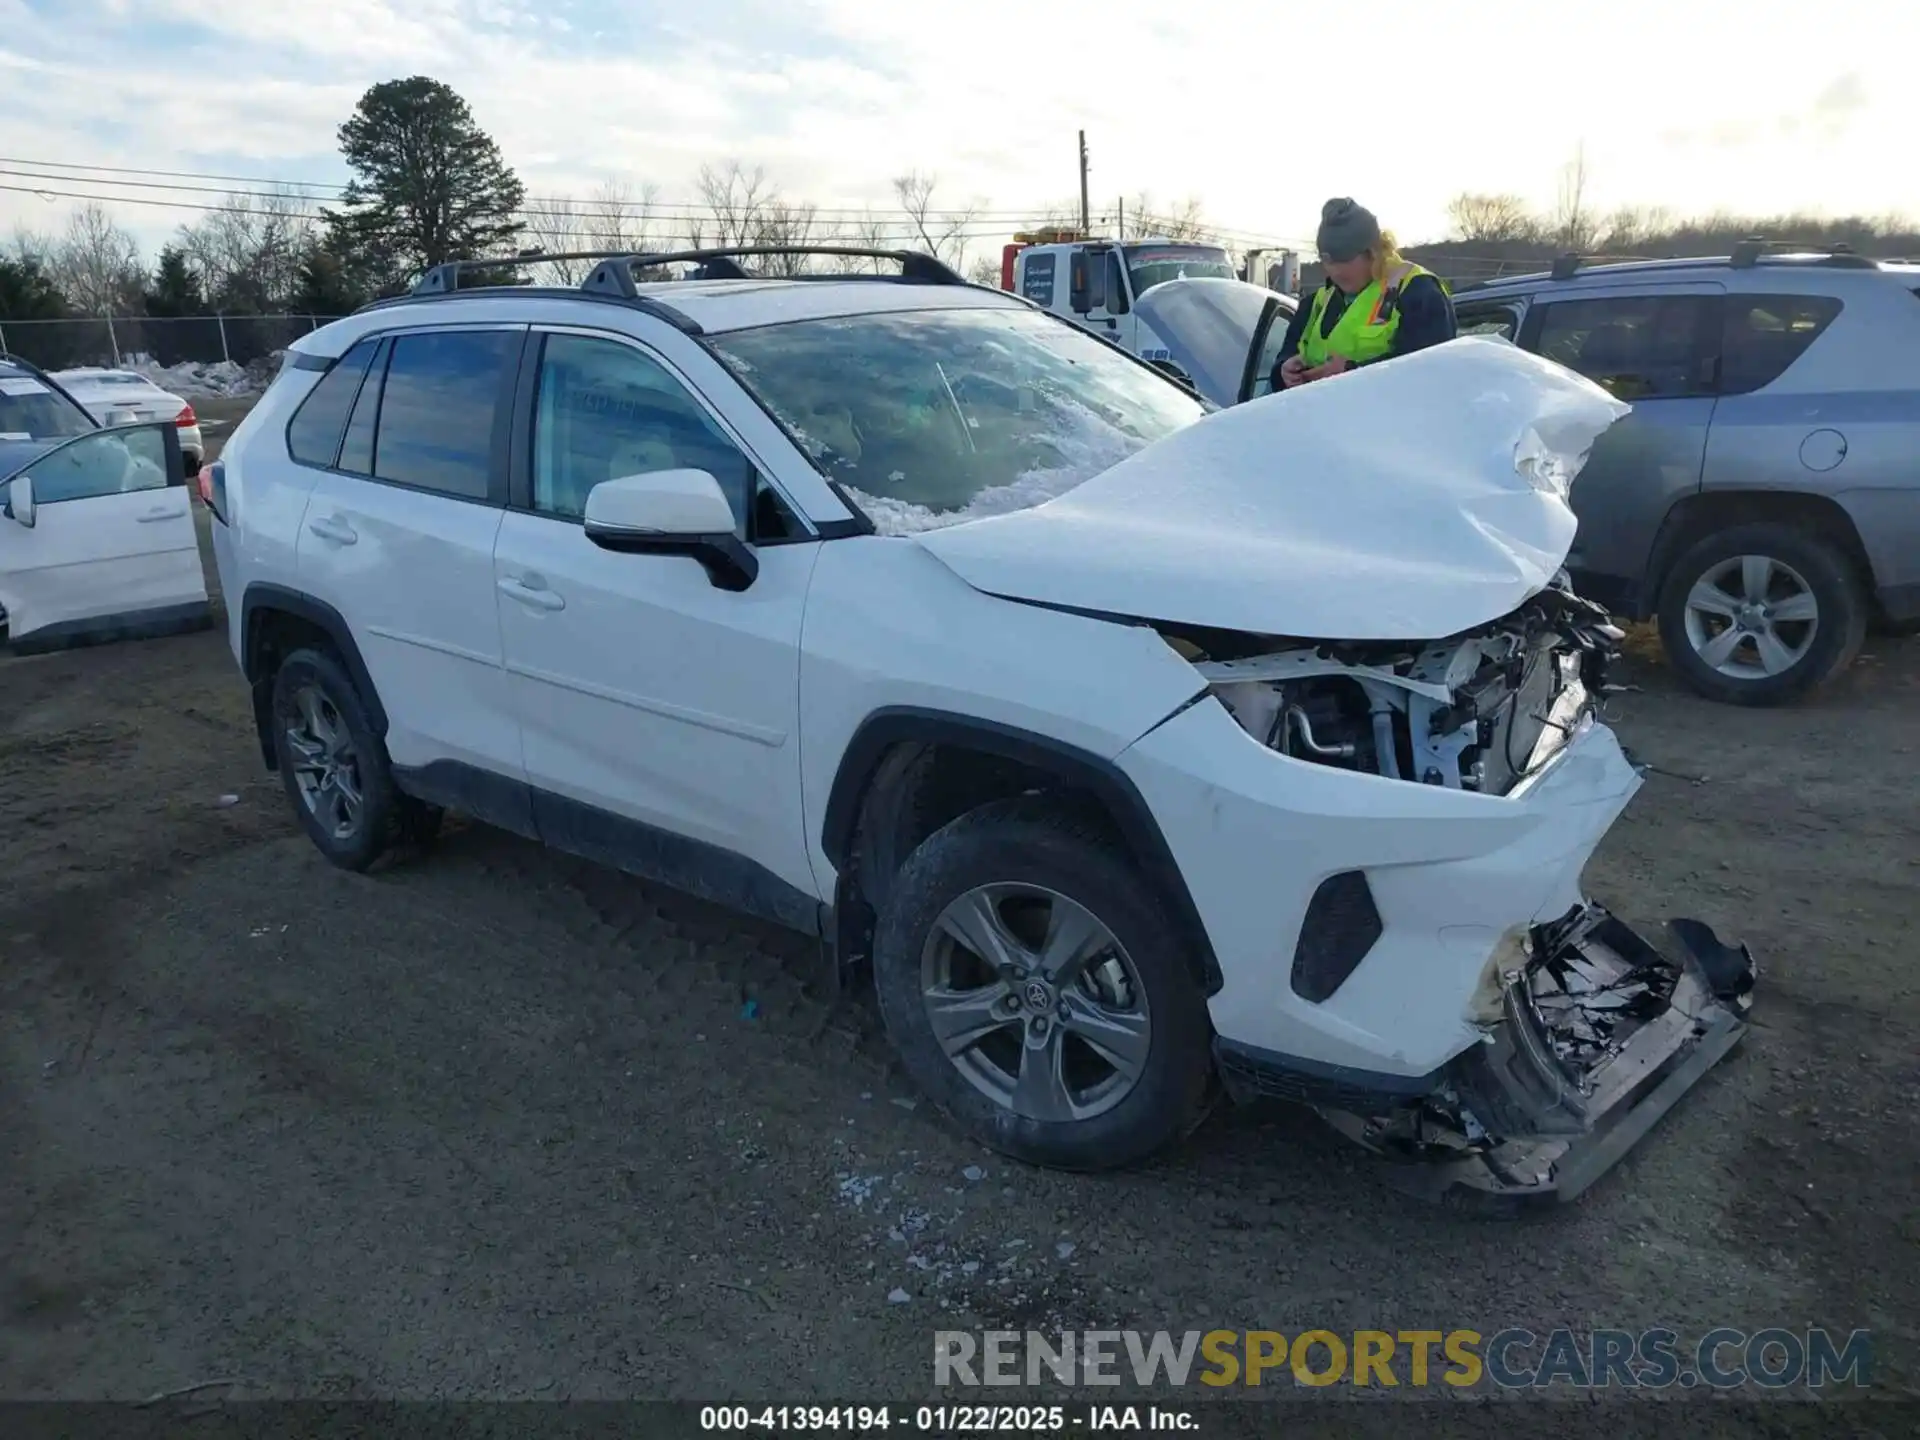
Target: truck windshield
[
  {"x": 1148, "y": 265},
  {"x": 30, "y": 410},
  {"x": 930, "y": 417}
]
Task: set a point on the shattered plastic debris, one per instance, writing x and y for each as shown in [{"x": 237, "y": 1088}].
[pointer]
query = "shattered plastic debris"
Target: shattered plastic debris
[
  {"x": 1065, "y": 1249},
  {"x": 898, "y": 1296},
  {"x": 750, "y": 1010},
  {"x": 858, "y": 1188},
  {"x": 974, "y": 1172}
]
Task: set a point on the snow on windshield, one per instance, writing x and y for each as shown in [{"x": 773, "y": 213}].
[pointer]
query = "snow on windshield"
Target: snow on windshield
[
  {"x": 930, "y": 418},
  {"x": 1086, "y": 449}
]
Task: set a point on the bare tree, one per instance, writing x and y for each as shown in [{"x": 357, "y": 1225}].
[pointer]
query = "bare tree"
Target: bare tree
[
  {"x": 943, "y": 234},
  {"x": 26, "y": 243},
  {"x": 985, "y": 270},
  {"x": 1636, "y": 227},
  {"x": 1491, "y": 218},
  {"x": 1183, "y": 223},
  {"x": 783, "y": 224},
  {"x": 1575, "y": 226},
  {"x": 736, "y": 201},
  {"x": 247, "y": 255},
  {"x": 868, "y": 232},
  {"x": 618, "y": 218},
  {"x": 556, "y": 225},
  {"x": 96, "y": 263}
]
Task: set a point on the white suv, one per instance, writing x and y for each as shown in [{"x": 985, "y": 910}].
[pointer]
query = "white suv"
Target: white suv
[{"x": 747, "y": 586}]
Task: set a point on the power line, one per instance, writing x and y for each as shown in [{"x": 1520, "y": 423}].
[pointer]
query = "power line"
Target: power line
[{"x": 288, "y": 189}]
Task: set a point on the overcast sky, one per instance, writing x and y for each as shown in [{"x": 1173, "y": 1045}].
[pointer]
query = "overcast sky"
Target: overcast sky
[{"x": 1691, "y": 104}]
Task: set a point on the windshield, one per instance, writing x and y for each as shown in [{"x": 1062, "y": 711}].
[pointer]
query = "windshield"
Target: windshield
[
  {"x": 932, "y": 417},
  {"x": 29, "y": 410},
  {"x": 1149, "y": 265}
]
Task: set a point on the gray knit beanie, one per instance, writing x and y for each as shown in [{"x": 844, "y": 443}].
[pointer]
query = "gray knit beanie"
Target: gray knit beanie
[{"x": 1347, "y": 230}]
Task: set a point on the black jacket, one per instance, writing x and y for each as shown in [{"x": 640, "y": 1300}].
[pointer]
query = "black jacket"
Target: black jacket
[{"x": 1426, "y": 318}]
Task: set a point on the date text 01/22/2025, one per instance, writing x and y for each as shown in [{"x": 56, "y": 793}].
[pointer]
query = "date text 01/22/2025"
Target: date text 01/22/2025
[{"x": 947, "y": 1419}]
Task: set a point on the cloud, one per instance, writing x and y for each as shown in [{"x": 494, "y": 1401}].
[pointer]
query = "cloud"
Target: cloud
[{"x": 1178, "y": 97}]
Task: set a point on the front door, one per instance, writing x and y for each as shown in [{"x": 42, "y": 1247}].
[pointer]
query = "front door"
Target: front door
[
  {"x": 111, "y": 550},
  {"x": 660, "y": 714},
  {"x": 1656, "y": 349}
]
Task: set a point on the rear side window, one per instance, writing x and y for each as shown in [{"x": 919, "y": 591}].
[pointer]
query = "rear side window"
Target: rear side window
[
  {"x": 438, "y": 407},
  {"x": 1501, "y": 320},
  {"x": 1767, "y": 333},
  {"x": 313, "y": 435},
  {"x": 1644, "y": 347}
]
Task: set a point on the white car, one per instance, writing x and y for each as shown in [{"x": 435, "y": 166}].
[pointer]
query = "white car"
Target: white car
[
  {"x": 1265, "y": 750},
  {"x": 136, "y": 399},
  {"x": 97, "y": 540}
]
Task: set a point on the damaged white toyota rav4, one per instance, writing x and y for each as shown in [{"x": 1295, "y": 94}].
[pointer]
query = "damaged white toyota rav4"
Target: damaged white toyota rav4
[{"x": 1135, "y": 747}]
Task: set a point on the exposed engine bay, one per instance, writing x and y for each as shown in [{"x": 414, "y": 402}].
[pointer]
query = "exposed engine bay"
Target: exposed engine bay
[
  {"x": 1588, "y": 1033},
  {"x": 1476, "y": 711},
  {"x": 1597, "y": 1035}
]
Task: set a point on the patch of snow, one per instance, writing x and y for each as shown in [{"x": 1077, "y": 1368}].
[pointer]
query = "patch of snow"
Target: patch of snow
[
  {"x": 197, "y": 380},
  {"x": 1086, "y": 443},
  {"x": 974, "y": 1172},
  {"x": 898, "y": 1296}
]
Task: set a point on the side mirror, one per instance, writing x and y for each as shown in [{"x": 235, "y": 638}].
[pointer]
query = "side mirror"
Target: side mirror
[
  {"x": 1087, "y": 281},
  {"x": 20, "y": 500},
  {"x": 672, "y": 512}
]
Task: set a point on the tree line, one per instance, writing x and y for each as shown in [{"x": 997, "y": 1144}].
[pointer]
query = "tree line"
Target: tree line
[{"x": 429, "y": 185}]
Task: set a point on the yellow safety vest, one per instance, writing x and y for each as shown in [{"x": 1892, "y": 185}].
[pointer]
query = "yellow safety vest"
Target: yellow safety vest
[{"x": 1366, "y": 328}]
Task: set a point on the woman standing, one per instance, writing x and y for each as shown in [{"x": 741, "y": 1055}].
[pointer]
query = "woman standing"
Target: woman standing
[{"x": 1373, "y": 305}]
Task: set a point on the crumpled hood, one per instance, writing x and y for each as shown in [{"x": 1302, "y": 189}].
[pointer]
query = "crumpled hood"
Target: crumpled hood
[{"x": 1412, "y": 499}]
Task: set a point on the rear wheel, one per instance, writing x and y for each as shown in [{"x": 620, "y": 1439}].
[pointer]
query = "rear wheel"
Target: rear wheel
[
  {"x": 1760, "y": 614},
  {"x": 1035, "y": 990},
  {"x": 335, "y": 767}
]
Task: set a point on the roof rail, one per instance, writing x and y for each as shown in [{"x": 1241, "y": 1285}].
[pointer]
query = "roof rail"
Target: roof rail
[
  {"x": 614, "y": 275},
  {"x": 1746, "y": 253}
]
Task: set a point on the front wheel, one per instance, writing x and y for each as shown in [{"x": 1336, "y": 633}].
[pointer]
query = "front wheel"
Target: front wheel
[
  {"x": 1762, "y": 613},
  {"x": 1034, "y": 989}
]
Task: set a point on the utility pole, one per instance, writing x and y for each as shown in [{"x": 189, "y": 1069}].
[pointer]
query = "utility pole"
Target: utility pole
[
  {"x": 1086, "y": 220},
  {"x": 1120, "y": 209}
]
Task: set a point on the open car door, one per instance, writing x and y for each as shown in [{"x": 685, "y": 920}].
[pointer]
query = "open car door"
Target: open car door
[{"x": 97, "y": 541}]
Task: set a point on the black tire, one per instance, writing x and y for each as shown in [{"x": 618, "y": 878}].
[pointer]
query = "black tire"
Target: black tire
[
  {"x": 1029, "y": 841},
  {"x": 385, "y": 815},
  {"x": 1830, "y": 577}
]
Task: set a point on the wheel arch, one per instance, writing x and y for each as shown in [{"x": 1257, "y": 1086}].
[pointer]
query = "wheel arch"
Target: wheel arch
[
  {"x": 274, "y": 621},
  {"x": 907, "y": 771},
  {"x": 1693, "y": 517}
]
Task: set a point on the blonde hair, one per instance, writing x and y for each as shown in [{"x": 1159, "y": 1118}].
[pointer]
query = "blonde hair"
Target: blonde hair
[{"x": 1386, "y": 256}]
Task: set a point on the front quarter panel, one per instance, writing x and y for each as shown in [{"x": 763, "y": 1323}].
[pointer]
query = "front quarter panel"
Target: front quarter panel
[{"x": 888, "y": 626}]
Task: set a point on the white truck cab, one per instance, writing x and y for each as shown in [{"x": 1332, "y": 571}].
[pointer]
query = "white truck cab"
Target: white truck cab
[{"x": 1095, "y": 282}]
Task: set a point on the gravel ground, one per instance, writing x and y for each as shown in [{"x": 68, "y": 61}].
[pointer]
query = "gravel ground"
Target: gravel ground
[{"x": 495, "y": 1123}]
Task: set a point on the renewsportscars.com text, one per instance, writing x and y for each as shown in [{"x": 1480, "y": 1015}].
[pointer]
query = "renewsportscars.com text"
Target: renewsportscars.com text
[{"x": 1773, "y": 1358}]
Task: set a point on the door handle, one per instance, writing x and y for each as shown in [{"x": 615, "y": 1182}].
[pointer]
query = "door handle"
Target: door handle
[
  {"x": 333, "y": 528},
  {"x": 537, "y": 596},
  {"x": 154, "y": 517}
]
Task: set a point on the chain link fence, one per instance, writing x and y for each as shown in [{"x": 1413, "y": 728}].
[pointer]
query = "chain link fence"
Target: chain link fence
[{"x": 171, "y": 340}]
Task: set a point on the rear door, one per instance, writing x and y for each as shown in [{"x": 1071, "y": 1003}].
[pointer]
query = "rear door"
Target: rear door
[
  {"x": 398, "y": 537},
  {"x": 112, "y": 546},
  {"x": 1658, "y": 350}
]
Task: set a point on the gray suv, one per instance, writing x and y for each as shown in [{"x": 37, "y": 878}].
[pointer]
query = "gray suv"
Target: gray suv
[{"x": 1762, "y": 501}]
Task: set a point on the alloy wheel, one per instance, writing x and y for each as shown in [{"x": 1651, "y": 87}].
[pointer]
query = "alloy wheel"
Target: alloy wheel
[
  {"x": 325, "y": 767},
  {"x": 1751, "y": 617},
  {"x": 1035, "y": 1002}
]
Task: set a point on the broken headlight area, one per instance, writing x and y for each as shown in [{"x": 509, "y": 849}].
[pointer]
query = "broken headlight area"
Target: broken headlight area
[
  {"x": 1476, "y": 711},
  {"x": 1598, "y": 1034}
]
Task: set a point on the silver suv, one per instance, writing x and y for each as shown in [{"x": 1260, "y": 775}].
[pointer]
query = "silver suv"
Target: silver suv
[{"x": 1762, "y": 502}]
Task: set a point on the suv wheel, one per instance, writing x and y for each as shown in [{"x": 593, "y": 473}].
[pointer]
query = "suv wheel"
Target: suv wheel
[
  {"x": 1034, "y": 989},
  {"x": 1762, "y": 613},
  {"x": 334, "y": 767}
]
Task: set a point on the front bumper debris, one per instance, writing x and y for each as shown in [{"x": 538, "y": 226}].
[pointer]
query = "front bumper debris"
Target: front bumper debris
[{"x": 1599, "y": 1036}]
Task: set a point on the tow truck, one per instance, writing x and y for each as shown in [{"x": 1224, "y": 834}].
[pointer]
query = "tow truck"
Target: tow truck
[{"x": 1095, "y": 282}]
